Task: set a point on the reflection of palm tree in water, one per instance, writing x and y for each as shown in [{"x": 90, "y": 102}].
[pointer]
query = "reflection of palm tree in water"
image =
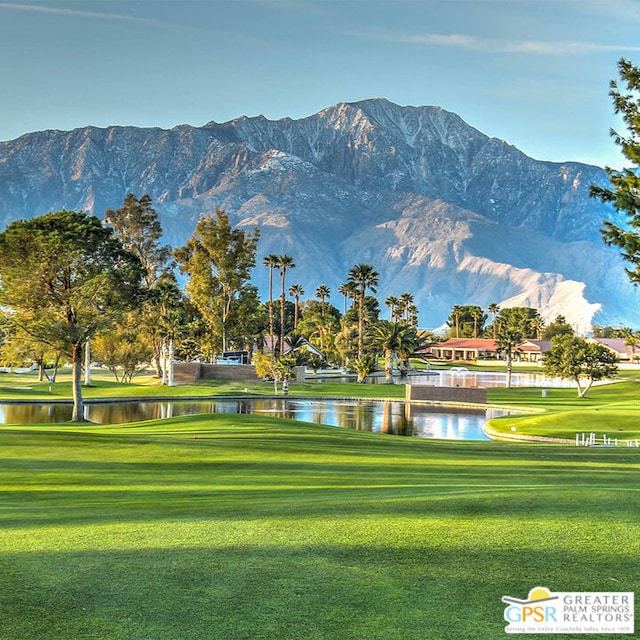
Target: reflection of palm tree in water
[
  {"x": 387, "y": 417},
  {"x": 362, "y": 417},
  {"x": 396, "y": 423}
]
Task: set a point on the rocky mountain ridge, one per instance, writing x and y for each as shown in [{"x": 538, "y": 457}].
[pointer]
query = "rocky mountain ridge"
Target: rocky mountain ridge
[{"x": 439, "y": 208}]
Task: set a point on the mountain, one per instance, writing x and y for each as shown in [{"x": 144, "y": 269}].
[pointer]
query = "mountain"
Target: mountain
[{"x": 439, "y": 208}]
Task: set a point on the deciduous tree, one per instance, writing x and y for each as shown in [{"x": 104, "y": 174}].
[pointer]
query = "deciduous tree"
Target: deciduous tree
[
  {"x": 579, "y": 360},
  {"x": 66, "y": 276},
  {"x": 218, "y": 259},
  {"x": 138, "y": 227}
]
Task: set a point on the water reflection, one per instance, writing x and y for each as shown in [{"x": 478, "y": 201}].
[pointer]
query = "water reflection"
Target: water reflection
[
  {"x": 397, "y": 418},
  {"x": 488, "y": 379},
  {"x": 446, "y": 378}
]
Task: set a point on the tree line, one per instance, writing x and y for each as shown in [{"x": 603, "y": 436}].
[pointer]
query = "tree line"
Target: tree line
[{"x": 68, "y": 279}]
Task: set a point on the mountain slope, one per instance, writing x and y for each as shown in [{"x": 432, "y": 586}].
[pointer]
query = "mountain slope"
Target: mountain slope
[{"x": 439, "y": 208}]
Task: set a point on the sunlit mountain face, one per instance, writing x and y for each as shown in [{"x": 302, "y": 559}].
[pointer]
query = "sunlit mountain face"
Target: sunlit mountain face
[{"x": 440, "y": 209}]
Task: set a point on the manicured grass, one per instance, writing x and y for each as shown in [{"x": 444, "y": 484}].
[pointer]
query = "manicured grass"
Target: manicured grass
[
  {"x": 242, "y": 527},
  {"x": 612, "y": 409},
  {"x": 26, "y": 386}
]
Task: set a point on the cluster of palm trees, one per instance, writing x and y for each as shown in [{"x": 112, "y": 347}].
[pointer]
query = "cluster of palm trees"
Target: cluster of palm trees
[
  {"x": 402, "y": 308},
  {"x": 395, "y": 338},
  {"x": 283, "y": 263}
]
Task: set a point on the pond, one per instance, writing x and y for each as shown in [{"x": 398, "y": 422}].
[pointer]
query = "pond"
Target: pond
[
  {"x": 393, "y": 417},
  {"x": 463, "y": 378}
]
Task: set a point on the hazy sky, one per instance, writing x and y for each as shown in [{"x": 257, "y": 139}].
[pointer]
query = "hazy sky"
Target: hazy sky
[{"x": 533, "y": 72}]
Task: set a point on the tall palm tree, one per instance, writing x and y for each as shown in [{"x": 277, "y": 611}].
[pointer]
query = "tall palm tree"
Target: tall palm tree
[
  {"x": 508, "y": 342},
  {"x": 412, "y": 315},
  {"x": 392, "y": 303},
  {"x": 348, "y": 290},
  {"x": 322, "y": 292},
  {"x": 296, "y": 291},
  {"x": 406, "y": 302},
  {"x": 455, "y": 312},
  {"x": 284, "y": 262},
  {"x": 476, "y": 314},
  {"x": 493, "y": 309},
  {"x": 271, "y": 262},
  {"x": 363, "y": 276}
]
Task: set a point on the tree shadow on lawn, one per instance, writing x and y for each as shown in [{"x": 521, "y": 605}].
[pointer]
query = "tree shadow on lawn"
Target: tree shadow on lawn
[
  {"x": 345, "y": 591},
  {"x": 79, "y": 493}
]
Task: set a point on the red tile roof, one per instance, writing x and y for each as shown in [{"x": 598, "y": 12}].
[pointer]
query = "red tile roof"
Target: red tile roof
[{"x": 481, "y": 344}]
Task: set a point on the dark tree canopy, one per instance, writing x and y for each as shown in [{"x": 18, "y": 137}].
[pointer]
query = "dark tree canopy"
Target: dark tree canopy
[
  {"x": 467, "y": 321},
  {"x": 64, "y": 276},
  {"x": 137, "y": 226},
  {"x": 525, "y": 320},
  {"x": 624, "y": 193},
  {"x": 558, "y": 327}
]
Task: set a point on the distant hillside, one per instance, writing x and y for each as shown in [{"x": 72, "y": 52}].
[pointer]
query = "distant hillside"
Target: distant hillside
[{"x": 439, "y": 208}]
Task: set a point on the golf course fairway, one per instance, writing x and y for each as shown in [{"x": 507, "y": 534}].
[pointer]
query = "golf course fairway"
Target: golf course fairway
[{"x": 240, "y": 527}]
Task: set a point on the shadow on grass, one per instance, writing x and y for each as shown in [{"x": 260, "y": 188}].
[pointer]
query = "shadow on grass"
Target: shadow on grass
[
  {"x": 234, "y": 482},
  {"x": 325, "y": 592}
]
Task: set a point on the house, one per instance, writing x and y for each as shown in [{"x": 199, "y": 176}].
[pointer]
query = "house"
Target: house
[
  {"x": 533, "y": 350},
  {"x": 487, "y": 349},
  {"x": 465, "y": 349},
  {"x": 625, "y": 352}
]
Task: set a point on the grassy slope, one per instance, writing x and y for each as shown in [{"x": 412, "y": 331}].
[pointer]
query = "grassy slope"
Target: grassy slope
[
  {"x": 268, "y": 529},
  {"x": 610, "y": 409}
]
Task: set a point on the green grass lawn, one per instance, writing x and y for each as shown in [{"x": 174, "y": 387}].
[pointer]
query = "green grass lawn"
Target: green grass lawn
[
  {"x": 241, "y": 527},
  {"x": 612, "y": 409},
  {"x": 27, "y": 387},
  {"x": 251, "y": 527}
]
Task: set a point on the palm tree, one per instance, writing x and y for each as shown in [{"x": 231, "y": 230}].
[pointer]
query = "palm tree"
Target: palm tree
[
  {"x": 322, "y": 292},
  {"x": 412, "y": 315},
  {"x": 508, "y": 342},
  {"x": 320, "y": 328},
  {"x": 364, "y": 365},
  {"x": 406, "y": 302},
  {"x": 392, "y": 303},
  {"x": 348, "y": 291},
  {"x": 284, "y": 262},
  {"x": 271, "y": 261},
  {"x": 455, "y": 312},
  {"x": 387, "y": 336},
  {"x": 412, "y": 344},
  {"x": 493, "y": 309},
  {"x": 632, "y": 341},
  {"x": 296, "y": 291},
  {"x": 476, "y": 314},
  {"x": 537, "y": 323},
  {"x": 363, "y": 277}
]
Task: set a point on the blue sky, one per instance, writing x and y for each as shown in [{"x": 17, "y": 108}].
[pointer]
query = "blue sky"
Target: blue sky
[{"x": 533, "y": 72}]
